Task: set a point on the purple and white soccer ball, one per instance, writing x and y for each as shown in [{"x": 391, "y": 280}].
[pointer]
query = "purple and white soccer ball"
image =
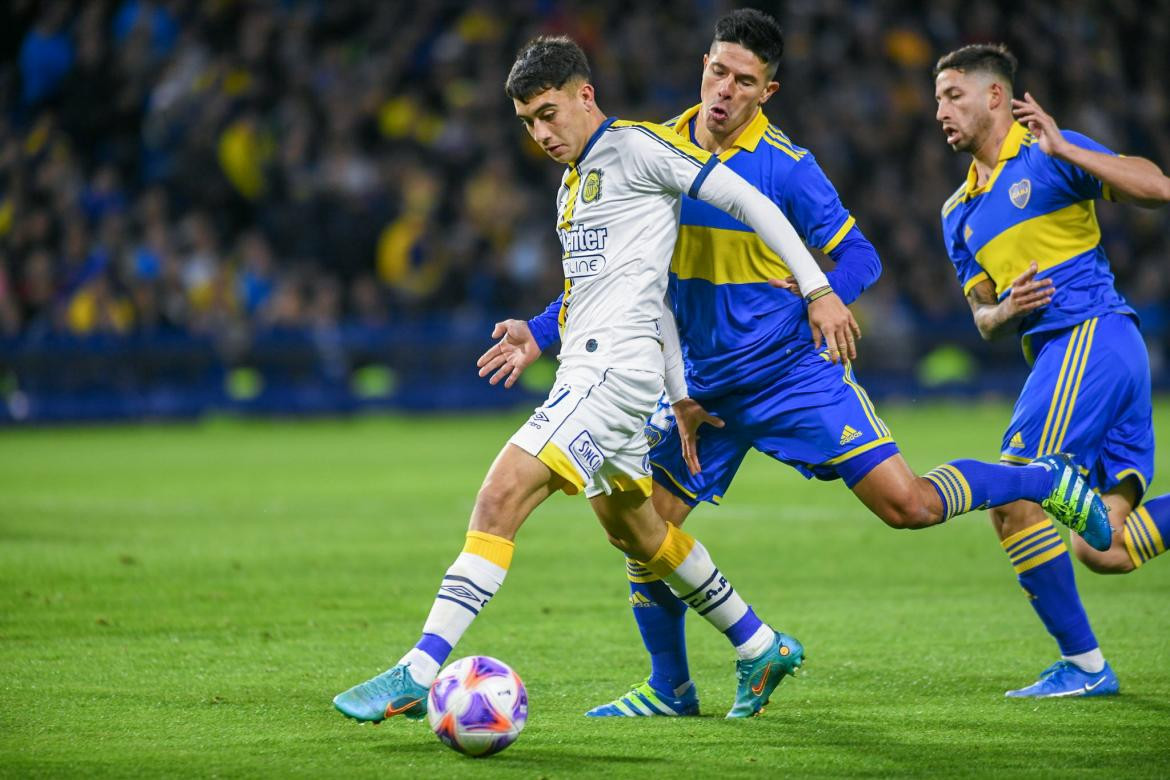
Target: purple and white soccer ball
[{"x": 477, "y": 705}]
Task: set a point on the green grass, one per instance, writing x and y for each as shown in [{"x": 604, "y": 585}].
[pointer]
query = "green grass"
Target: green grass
[{"x": 186, "y": 600}]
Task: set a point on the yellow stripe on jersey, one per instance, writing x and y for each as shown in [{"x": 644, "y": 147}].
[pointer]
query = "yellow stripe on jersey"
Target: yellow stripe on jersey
[
  {"x": 772, "y": 140},
  {"x": 573, "y": 183},
  {"x": 671, "y": 138},
  {"x": 1047, "y": 240},
  {"x": 724, "y": 256},
  {"x": 840, "y": 234},
  {"x": 974, "y": 280}
]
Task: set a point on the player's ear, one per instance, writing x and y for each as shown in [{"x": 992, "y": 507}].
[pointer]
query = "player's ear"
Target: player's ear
[
  {"x": 586, "y": 96},
  {"x": 996, "y": 95},
  {"x": 769, "y": 91},
  {"x": 706, "y": 59}
]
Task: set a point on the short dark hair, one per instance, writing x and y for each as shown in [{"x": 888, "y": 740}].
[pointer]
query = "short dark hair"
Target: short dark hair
[
  {"x": 993, "y": 58},
  {"x": 756, "y": 31},
  {"x": 546, "y": 62}
]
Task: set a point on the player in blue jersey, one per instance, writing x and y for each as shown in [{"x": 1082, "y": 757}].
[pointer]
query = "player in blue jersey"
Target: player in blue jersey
[
  {"x": 1022, "y": 234},
  {"x": 755, "y": 371}
]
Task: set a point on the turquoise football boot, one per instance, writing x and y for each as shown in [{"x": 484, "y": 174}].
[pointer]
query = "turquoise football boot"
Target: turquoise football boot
[
  {"x": 1065, "y": 678},
  {"x": 1073, "y": 503},
  {"x": 644, "y": 702},
  {"x": 758, "y": 677},
  {"x": 391, "y": 693}
]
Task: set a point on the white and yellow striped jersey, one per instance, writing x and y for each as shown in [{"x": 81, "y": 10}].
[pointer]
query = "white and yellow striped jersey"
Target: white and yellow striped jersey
[{"x": 617, "y": 220}]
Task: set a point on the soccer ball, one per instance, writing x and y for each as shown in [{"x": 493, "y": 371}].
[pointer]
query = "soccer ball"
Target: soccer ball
[{"x": 477, "y": 706}]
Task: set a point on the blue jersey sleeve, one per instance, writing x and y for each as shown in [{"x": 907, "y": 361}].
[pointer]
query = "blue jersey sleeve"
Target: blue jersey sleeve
[
  {"x": 544, "y": 325},
  {"x": 1075, "y": 180},
  {"x": 968, "y": 270},
  {"x": 858, "y": 266},
  {"x": 809, "y": 200}
]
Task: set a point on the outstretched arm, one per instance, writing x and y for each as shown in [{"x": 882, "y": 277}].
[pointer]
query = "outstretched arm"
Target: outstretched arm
[{"x": 1132, "y": 179}]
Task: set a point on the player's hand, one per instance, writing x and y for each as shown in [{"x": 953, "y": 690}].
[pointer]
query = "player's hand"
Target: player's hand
[
  {"x": 1029, "y": 113},
  {"x": 515, "y": 351},
  {"x": 832, "y": 321},
  {"x": 688, "y": 416},
  {"x": 788, "y": 284},
  {"x": 1028, "y": 293}
]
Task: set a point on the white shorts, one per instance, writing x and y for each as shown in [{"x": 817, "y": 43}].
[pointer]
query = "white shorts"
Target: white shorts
[{"x": 591, "y": 430}]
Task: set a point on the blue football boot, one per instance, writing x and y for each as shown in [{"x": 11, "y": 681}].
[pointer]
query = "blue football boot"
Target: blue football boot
[
  {"x": 391, "y": 693},
  {"x": 758, "y": 677},
  {"x": 644, "y": 702},
  {"x": 1065, "y": 678},
  {"x": 1073, "y": 503}
]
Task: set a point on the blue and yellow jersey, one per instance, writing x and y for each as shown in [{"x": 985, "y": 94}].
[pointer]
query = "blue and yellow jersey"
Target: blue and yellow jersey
[
  {"x": 737, "y": 330},
  {"x": 1034, "y": 208}
]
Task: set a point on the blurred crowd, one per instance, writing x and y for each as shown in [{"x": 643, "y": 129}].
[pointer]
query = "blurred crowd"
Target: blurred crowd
[{"x": 218, "y": 167}]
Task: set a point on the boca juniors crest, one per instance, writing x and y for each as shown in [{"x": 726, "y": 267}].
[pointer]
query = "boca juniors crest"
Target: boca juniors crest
[
  {"x": 1020, "y": 192},
  {"x": 591, "y": 189}
]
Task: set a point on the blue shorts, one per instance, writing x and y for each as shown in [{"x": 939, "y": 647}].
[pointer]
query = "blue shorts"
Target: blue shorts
[
  {"x": 1088, "y": 395},
  {"x": 816, "y": 419}
]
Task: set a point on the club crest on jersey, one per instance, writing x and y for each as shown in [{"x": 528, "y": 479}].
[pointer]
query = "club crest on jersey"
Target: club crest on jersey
[
  {"x": 591, "y": 189},
  {"x": 1020, "y": 192}
]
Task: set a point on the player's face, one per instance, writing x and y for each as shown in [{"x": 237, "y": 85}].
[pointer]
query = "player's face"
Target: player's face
[
  {"x": 735, "y": 84},
  {"x": 560, "y": 120},
  {"x": 964, "y": 109}
]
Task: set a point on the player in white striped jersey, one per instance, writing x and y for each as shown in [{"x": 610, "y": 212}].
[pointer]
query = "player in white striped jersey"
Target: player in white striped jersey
[{"x": 618, "y": 211}]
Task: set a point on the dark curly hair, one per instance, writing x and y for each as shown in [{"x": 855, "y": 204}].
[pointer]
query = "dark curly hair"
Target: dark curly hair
[
  {"x": 546, "y": 62},
  {"x": 756, "y": 31}
]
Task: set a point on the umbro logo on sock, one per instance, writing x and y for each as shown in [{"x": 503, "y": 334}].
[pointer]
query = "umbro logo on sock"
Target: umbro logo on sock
[{"x": 848, "y": 434}]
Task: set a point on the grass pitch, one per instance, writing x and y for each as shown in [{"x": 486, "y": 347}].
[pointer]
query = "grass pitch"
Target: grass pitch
[{"x": 180, "y": 601}]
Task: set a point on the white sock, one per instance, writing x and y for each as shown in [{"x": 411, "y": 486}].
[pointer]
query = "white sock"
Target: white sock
[
  {"x": 758, "y": 644},
  {"x": 1091, "y": 662},
  {"x": 698, "y": 582},
  {"x": 422, "y": 667},
  {"x": 466, "y": 589}
]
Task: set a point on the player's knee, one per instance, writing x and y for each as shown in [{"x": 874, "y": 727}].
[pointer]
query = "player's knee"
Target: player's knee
[
  {"x": 907, "y": 512},
  {"x": 632, "y": 545},
  {"x": 495, "y": 505}
]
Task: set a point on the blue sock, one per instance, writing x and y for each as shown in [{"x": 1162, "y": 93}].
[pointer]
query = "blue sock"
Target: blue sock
[
  {"x": 1147, "y": 529},
  {"x": 660, "y": 616},
  {"x": 964, "y": 485},
  {"x": 1045, "y": 572}
]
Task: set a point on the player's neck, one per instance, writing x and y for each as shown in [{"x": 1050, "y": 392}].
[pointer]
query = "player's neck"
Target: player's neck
[
  {"x": 987, "y": 155},
  {"x": 596, "y": 119}
]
